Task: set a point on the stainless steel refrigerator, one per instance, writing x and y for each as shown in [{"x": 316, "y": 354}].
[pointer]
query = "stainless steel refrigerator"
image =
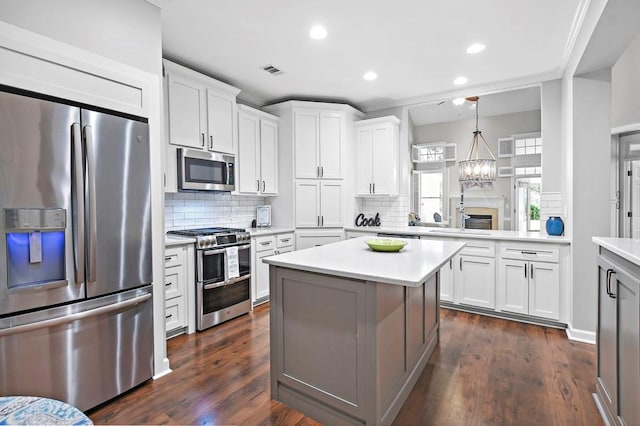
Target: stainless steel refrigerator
[{"x": 76, "y": 319}]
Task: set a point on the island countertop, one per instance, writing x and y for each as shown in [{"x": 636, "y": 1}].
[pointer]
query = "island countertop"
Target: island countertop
[{"x": 354, "y": 259}]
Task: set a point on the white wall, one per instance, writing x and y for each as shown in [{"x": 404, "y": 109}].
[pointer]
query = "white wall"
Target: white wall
[
  {"x": 124, "y": 30},
  {"x": 625, "y": 87},
  {"x": 552, "y": 165},
  {"x": 591, "y": 143}
]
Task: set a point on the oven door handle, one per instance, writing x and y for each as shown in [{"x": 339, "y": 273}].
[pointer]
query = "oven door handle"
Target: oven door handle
[
  {"x": 210, "y": 252},
  {"x": 228, "y": 282}
]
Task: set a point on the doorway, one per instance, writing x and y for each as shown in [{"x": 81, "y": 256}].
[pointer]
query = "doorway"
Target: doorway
[{"x": 527, "y": 203}]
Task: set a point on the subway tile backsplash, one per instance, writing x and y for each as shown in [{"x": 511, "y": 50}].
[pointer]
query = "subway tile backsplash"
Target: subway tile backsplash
[
  {"x": 184, "y": 210},
  {"x": 394, "y": 211}
]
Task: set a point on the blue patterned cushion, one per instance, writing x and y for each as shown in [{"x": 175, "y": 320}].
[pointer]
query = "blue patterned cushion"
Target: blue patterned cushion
[{"x": 31, "y": 410}]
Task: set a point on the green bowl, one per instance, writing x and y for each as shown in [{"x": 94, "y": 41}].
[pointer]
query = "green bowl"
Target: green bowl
[{"x": 383, "y": 244}]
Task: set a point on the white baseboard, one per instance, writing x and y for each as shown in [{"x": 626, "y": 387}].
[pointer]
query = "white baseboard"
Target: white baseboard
[
  {"x": 581, "y": 335},
  {"x": 166, "y": 370}
]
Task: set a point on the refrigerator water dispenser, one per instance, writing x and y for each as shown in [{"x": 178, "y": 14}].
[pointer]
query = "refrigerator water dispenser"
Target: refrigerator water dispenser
[{"x": 35, "y": 247}]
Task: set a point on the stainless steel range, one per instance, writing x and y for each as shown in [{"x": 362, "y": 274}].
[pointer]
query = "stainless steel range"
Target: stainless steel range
[{"x": 223, "y": 274}]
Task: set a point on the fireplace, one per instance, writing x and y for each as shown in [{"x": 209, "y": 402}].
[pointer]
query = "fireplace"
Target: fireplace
[{"x": 479, "y": 221}]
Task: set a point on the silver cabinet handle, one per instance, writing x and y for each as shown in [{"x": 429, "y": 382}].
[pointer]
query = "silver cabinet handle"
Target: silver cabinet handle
[
  {"x": 168, "y": 284},
  {"x": 285, "y": 240},
  {"x": 264, "y": 186},
  {"x": 258, "y": 187},
  {"x": 369, "y": 188},
  {"x": 318, "y": 171},
  {"x": 91, "y": 182},
  {"x": 210, "y": 142},
  {"x": 609, "y": 292},
  {"x": 202, "y": 138},
  {"x": 167, "y": 258},
  {"x": 461, "y": 264},
  {"x": 525, "y": 270},
  {"x": 531, "y": 273},
  {"x": 529, "y": 252},
  {"x": 321, "y": 220},
  {"x": 374, "y": 187},
  {"x": 318, "y": 220},
  {"x": 321, "y": 171},
  {"x": 168, "y": 316},
  {"x": 265, "y": 243},
  {"x": 451, "y": 263},
  {"x": 77, "y": 202}
]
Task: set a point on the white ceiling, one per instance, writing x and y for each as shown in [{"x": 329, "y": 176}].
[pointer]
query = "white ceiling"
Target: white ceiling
[
  {"x": 417, "y": 47},
  {"x": 495, "y": 104}
]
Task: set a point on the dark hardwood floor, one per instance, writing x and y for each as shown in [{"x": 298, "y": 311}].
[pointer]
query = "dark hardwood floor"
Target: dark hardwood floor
[{"x": 485, "y": 371}]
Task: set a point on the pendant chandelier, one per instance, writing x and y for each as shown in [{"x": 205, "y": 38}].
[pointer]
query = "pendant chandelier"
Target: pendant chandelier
[{"x": 477, "y": 171}]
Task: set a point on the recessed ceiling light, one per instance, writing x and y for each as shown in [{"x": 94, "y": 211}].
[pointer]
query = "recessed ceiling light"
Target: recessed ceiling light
[
  {"x": 370, "y": 75},
  {"x": 458, "y": 101},
  {"x": 475, "y": 48},
  {"x": 460, "y": 80},
  {"x": 318, "y": 32}
]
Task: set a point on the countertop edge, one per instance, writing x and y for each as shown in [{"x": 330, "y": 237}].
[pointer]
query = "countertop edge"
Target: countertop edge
[
  {"x": 609, "y": 243},
  {"x": 259, "y": 232},
  {"x": 174, "y": 240},
  {"x": 427, "y": 231}
]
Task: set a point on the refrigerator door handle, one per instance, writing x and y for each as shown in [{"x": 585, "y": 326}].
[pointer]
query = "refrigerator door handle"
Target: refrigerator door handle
[
  {"x": 91, "y": 190},
  {"x": 77, "y": 316},
  {"x": 77, "y": 201}
]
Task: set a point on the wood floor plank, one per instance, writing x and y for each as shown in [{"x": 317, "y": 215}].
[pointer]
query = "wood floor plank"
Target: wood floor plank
[{"x": 486, "y": 371}]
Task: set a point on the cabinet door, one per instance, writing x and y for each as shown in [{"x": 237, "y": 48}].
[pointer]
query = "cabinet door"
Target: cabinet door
[
  {"x": 607, "y": 344},
  {"x": 330, "y": 145},
  {"x": 331, "y": 204},
  {"x": 220, "y": 122},
  {"x": 306, "y": 144},
  {"x": 364, "y": 181},
  {"x": 261, "y": 275},
  {"x": 248, "y": 154},
  {"x": 628, "y": 299},
  {"x": 446, "y": 281},
  {"x": 187, "y": 116},
  {"x": 269, "y": 157},
  {"x": 544, "y": 290},
  {"x": 306, "y": 241},
  {"x": 513, "y": 286},
  {"x": 475, "y": 281},
  {"x": 307, "y": 204},
  {"x": 385, "y": 164},
  {"x": 174, "y": 282}
]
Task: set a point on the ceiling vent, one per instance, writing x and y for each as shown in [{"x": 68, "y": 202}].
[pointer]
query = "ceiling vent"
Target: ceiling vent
[{"x": 272, "y": 70}]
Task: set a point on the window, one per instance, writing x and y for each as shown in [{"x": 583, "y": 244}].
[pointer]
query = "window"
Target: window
[
  {"x": 430, "y": 195},
  {"x": 526, "y": 145},
  {"x": 528, "y": 171},
  {"x": 527, "y": 203}
]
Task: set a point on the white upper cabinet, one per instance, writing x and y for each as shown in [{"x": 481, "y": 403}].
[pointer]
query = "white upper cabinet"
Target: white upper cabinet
[
  {"x": 377, "y": 156},
  {"x": 221, "y": 121},
  {"x": 318, "y": 145},
  {"x": 187, "y": 119},
  {"x": 257, "y": 152},
  {"x": 201, "y": 111}
]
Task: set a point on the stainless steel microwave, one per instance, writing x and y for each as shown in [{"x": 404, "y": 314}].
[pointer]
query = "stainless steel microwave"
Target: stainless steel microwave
[{"x": 205, "y": 171}]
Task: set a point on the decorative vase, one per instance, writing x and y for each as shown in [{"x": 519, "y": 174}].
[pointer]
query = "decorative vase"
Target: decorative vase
[{"x": 555, "y": 225}]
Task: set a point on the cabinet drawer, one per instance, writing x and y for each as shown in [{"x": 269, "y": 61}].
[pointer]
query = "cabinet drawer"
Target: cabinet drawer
[
  {"x": 533, "y": 253},
  {"x": 479, "y": 248},
  {"x": 284, "y": 240},
  {"x": 173, "y": 256},
  {"x": 174, "y": 313},
  {"x": 174, "y": 282},
  {"x": 265, "y": 243}
]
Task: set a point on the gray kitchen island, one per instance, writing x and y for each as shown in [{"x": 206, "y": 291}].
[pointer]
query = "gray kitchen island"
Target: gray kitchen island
[{"x": 352, "y": 329}]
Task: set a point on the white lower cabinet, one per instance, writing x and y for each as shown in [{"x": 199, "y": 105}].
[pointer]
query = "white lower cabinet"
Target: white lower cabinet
[
  {"x": 474, "y": 281},
  {"x": 264, "y": 247},
  {"x": 446, "y": 281},
  {"x": 529, "y": 281},
  {"x": 175, "y": 289},
  {"x": 474, "y": 274}
]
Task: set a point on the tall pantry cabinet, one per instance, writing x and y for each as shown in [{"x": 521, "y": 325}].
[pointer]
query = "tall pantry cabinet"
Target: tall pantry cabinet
[{"x": 315, "y": 173}]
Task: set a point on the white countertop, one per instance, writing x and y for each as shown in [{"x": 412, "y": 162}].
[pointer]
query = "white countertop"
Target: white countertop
[
  {"x": 176, "y": 240},
  {"x": 354, "y": 259},
  {"x": 258, "y": 232},
  {"x": 626, "y": 248},
  {"x": 533, "y": 237}
]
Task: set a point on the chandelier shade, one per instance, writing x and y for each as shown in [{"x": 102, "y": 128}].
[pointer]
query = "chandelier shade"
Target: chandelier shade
[{"x": 475, "y": 169}]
